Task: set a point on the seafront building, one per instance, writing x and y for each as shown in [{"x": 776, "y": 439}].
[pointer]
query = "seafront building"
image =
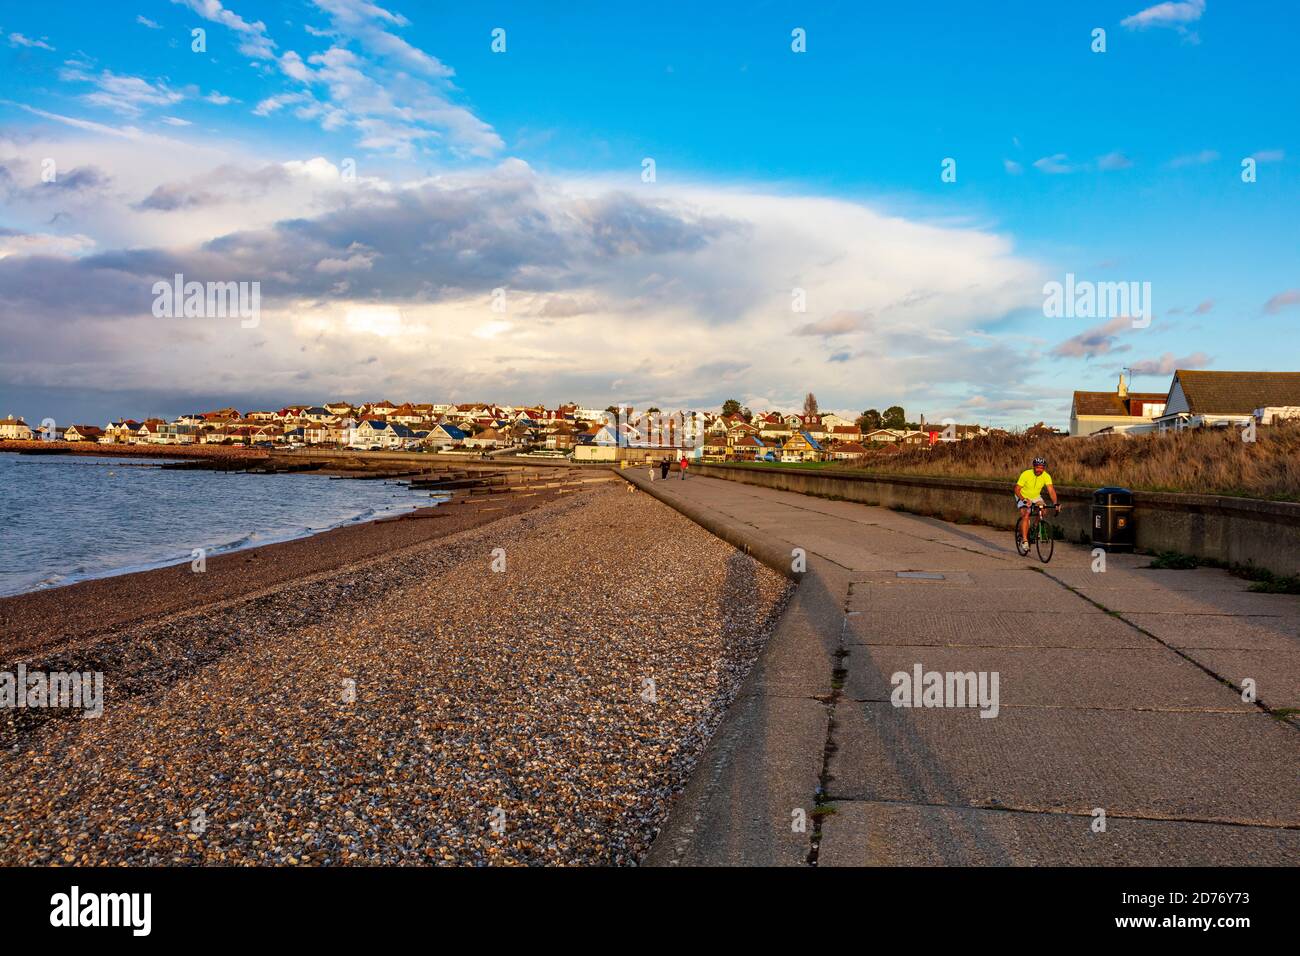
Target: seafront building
[{"x": 1195, "y": 399}]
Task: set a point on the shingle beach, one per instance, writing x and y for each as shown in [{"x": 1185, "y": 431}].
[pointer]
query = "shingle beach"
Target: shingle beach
[{"x": 415, "y": 707}]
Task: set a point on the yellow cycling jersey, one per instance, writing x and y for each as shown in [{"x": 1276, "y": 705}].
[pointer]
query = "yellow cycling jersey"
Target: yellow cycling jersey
[{"x": 1031, "y": 485}]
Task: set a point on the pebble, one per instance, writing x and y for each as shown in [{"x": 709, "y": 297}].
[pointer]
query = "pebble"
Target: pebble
[{"x": 546, "y": 714}]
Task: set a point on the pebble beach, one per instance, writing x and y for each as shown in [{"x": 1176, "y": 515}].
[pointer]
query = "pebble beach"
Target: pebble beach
[{"x": 532, "y": 686}]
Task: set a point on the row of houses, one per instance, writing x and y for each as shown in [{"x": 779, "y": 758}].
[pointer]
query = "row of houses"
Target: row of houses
[
  {"x": 374, "y": 426},
  {"x": 1195, "y": 399},
  {"x": 570, "y": 430}
]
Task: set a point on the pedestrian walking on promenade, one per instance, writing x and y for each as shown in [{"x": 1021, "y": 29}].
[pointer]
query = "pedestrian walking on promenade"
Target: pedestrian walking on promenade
[
  {"x": 663, "y": 469},
  {"x": 685, "y": 464}
]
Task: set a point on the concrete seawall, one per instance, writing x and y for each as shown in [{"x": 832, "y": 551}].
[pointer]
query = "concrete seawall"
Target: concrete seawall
[{"x": 1245, "y": 531}]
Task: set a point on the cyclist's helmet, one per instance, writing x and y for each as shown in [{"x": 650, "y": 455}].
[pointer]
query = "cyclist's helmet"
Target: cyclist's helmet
[{"x": 1040, "y": 461}]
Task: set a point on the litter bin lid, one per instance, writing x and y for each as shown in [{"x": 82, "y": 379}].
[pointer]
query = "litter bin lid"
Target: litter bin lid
[{"x": 1112, "y": 496}]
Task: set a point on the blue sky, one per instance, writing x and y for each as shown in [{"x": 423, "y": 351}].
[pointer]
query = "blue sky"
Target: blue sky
[{"x": 821, "y": 167}]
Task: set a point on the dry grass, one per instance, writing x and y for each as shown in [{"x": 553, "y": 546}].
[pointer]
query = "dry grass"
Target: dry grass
[{"x": 1203, "y": 461}]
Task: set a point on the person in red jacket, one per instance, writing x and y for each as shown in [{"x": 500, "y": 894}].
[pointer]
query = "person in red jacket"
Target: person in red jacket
[{"x": 685, "y": 464}]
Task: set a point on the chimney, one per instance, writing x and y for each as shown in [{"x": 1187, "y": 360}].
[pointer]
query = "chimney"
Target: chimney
[{"x": 1123, "y": 386}]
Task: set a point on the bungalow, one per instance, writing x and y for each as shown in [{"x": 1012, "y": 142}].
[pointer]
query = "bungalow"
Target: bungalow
[
  {"x": 1202, "y": 399},
  {"x": 801, "y": 446},
  {"x": 487, "y": 438},
  {"x": 885, "y": 436},
  {"x": 83, "y": 433},
  {"x": 847, "y": 451},
  {"x": 598, "y": 445},
  {"x": 444, "y": 435},
  {"x": 1117, "y": 411}
]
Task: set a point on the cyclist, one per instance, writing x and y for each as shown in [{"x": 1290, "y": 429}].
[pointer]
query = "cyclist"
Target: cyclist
[{"x": 1030, "y": 486}]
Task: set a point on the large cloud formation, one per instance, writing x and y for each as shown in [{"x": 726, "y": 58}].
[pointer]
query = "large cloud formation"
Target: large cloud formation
[{"x": 500, "y": 283}]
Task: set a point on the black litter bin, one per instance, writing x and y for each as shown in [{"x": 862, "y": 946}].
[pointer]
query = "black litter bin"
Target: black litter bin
[{"x": 1112, "y": 519}]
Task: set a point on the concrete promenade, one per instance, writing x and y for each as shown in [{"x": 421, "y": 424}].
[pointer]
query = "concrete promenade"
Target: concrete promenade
[{"x": 1119, "y": 692}]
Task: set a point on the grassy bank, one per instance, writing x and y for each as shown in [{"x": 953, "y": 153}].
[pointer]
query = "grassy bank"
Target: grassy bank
[{"x": 1204, "y": 461}]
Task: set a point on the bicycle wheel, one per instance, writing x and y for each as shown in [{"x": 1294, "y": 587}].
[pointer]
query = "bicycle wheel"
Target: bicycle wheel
[{"x": 1045, "y": 541}]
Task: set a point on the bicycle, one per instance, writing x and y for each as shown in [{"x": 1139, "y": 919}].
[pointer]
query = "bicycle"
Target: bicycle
[{"x": 1042, "y": 534}]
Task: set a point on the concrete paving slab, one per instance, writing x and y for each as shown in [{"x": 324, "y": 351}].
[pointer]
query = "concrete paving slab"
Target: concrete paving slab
[
  {"x": 1113, "y": 578},
  {"x": 938, "y": 559},
  {"x": 1227, "y": 632},
  {"x": 938, "y": 596},
  {"x": 799, "y": 657},
  {"x": 1195, "y": 602},
  {"x": 1229, "y": 768},
  {"x": 882, "y": 834},
  {"x": 1002, "y": 629},
  {"x": 1276, "y": 673},
  {"x": 1077, "y": 739},
  {"x": 738, "y": 808},
  {"x": 1150, "y": 678},
  {"x": 993, "y": 579}
]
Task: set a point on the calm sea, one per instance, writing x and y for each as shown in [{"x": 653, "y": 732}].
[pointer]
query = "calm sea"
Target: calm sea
[{"x": 69, "y": 518}]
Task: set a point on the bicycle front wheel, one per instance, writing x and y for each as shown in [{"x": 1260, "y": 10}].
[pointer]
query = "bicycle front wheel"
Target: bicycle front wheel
[{"x": 1045, "y": 541}]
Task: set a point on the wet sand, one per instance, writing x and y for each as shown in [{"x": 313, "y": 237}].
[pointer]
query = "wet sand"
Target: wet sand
[{"x": 39, "y": 619}]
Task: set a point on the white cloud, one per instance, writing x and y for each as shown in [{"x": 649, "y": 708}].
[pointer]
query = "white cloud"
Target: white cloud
[
  {"x": 1167, "y": 364},
  {"x": 1194, "y": 159},
  {"x": 1098, "y": 340},
  {"x": 273, "y": 104},
  {"x": 254, "y": 42},
  {"x": 17, "y": 39},
  {"x": 218, "y": 99},
  {"x": 1012, "y": 167},
  {"x": 146, "y": 22},
  {"x": 13, "y": 243},
  {"x": 1113, "y": 161},
  {"x": 1269, "y": 156},
  {"x": 1282, "y": 301},
  {"x": 1176, "y": 13},
  {"x": 1055, "y": 165},
  {"x": 127, "y": 95},
  {"x": 176, "y": 121}
]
